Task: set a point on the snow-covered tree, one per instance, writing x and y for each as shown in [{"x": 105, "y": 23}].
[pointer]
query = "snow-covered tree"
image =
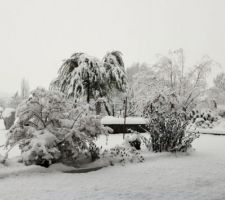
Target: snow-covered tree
[
  {"x": 116, "y": 79},
  {"x": 169, "y": 76},
  {"x": 143, "y": 86},
  {"x": 194, "y": 83},
  {"x": 49, "y": 129},
  {"x": 14, "y": 101},
  {"x": 80, "y": 75},
  {"x": 219, "y": 81},
  {"x": 2, "y": 102},
  {"x": 24, "y": 89},
  {"x": 115, "y": 72},
  {"x": 83, "y": 76},
  {"x": 215, "y": 95}
]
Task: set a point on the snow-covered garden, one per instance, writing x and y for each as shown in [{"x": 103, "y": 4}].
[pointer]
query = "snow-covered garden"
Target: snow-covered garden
[
  {"x": 198, "y": 174},
  {"x": 121, "y": 125},
  {"x": 59, "y": 144}
]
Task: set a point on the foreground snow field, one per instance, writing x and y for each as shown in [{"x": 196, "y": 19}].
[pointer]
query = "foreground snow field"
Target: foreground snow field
[{"x": 198, "y": 175}]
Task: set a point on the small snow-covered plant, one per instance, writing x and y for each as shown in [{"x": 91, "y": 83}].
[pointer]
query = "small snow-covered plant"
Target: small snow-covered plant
[
  {"x": 122, "y": 154},
  {"x": 167, "y": 125},
  {"x": 138, "y": 141},
  {"x": 127, "y": 152},
  {"x": 50, "y": 128},
  {"x": 135, "y": 141},
  {"x": 203, "y": 119}
]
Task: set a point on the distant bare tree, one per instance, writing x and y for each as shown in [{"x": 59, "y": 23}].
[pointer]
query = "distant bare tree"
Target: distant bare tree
[
  {"x": 169, "y": 75},
  {"x": 15, "y": 101},
  {"x": 24, "y": 89}
]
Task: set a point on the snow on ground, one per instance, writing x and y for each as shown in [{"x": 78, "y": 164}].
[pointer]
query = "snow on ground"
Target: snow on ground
[
  {"x": 198, "y": 175},
  {"x": 219, "y": 128}
]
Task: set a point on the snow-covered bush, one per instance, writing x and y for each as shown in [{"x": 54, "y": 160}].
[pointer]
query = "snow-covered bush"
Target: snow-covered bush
[
  {"x": 8, "y": 116},
  {"x": 167, "y": 125},
  {"x": 127, "y": 152},
  {"x": 122, "y": 154},
  {"x": 203, "y": 119},
  {"x": 139, "y": 141},
  {"x": 135, "y": 141},
  {"x": 50, "y": 128},
  {"x": 220, "y": 111}
]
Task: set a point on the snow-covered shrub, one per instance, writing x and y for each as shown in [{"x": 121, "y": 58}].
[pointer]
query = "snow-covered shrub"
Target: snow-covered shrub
[
  {"x": 122, "y": 154},
  {"x": 137, "y": 140},
  {"x": 167, "y": 126},
  {"x": 8, "y": 116},
  {"x": 203, "y": 119},
  {"x": 94, "y": 151},
  {"x": 40, "y": 149},
  {"x": 50, "y": 128},
  {"x": 221, "y": 113},
  {"x": 127, "y": 152}
]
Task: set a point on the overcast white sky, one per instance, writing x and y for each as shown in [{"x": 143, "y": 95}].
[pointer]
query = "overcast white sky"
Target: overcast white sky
[{"x": 36, "y": 35}]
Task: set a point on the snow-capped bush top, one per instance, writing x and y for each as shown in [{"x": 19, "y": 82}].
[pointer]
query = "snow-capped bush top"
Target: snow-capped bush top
[
  {"x": 43, "y": 108},
  {"x": 8, "y": 112}
]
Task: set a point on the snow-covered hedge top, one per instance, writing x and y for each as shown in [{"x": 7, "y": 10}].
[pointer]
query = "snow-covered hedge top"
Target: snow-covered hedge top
[
  {"x": 7, "y": 112},
  {"x": 120, "y": 120}
]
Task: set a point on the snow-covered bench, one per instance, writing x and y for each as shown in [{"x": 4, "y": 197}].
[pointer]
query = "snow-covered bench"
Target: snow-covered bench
[{"x": 118, "y": 126}]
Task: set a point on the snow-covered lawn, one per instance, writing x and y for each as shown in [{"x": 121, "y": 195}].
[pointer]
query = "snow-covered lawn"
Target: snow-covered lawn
[{"x": 198, "y": 175}]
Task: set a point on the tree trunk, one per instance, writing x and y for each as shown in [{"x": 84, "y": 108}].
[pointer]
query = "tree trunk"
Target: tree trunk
[
  {"x": 88, "y": 89},
  {"x": 98, "y": 106},
  {"x": 107, "y": 109}
]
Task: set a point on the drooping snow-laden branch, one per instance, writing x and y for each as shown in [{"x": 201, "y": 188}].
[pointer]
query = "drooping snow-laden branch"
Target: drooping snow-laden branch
[{"x": 83, "y": 76}]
